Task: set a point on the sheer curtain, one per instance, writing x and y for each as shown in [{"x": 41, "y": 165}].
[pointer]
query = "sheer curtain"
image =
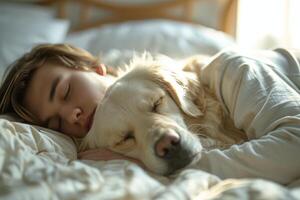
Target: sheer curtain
[{"x": 268, "y": 24}]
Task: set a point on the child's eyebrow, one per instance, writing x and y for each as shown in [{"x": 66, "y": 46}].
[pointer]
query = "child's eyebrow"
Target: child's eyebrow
[{"x": 53, "y": 88}]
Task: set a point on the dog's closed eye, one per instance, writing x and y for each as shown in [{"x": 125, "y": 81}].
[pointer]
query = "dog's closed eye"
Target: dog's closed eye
[
  {"x": 156, "y": 104},
  {"x": 126, "y": 142},
  {"x": 126, "y": 136},
  {"x": 129, "y": 136}
]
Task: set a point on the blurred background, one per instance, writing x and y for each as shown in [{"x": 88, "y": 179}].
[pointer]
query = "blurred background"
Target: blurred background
[
  {"x": 260, "y": 24},
  {"x": 268, "y": 23},
  {"x": 115, "y": 29}
]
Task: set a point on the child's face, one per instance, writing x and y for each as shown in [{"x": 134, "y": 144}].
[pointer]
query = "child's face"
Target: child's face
[{"x": 65, "y": 99}]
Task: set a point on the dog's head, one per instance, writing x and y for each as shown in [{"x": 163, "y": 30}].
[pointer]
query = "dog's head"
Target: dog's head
[{"x": 142, "y": 116}]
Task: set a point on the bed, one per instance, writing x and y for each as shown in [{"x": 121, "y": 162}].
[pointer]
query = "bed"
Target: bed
[{"x": 38, "y": 163}]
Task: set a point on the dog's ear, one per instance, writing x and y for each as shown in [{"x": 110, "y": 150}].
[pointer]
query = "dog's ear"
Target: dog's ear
[
  {"x": 183, "y": 87},
  {"x": 195, "y": 63}
]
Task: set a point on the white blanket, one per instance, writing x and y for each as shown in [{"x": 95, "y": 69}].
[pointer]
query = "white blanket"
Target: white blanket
[{"x": 40, "y": 164}]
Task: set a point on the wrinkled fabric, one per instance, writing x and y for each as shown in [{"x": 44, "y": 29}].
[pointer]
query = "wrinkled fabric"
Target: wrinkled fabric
[
  {"x": 40, "y": 164},
  {"x": 260, "y": 91}
]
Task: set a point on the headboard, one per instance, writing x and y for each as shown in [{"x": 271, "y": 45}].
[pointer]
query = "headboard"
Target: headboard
[{"x": 121, "y": 12}]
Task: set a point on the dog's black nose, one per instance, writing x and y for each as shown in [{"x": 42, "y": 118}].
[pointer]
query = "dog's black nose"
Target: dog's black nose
[{"x": 167, "y": 144}]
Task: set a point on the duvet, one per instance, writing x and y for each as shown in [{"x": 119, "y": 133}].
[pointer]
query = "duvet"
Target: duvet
[{"x": 259, "y": 91}]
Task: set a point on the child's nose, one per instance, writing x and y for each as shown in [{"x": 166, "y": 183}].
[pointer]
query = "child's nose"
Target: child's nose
[{"x": 72, "y": 115}]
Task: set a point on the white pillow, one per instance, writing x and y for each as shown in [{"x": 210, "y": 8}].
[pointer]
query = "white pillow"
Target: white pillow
[
  {"x": 19, "y": 35},
  {"x": 171, "y": 38}
]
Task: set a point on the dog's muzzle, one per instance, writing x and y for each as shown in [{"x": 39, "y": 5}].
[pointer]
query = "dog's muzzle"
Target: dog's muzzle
[{"x": 177, "y": 150}]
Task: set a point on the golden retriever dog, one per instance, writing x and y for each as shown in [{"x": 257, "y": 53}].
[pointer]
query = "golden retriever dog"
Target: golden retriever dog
[{"x": 159, "y": 112}]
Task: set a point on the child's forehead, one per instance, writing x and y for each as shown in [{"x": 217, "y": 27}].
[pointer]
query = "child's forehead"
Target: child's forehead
[{"x": 45, "y": 75}]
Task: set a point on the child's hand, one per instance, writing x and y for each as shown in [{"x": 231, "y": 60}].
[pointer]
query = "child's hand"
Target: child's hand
[{"x": 105, "y": 155}]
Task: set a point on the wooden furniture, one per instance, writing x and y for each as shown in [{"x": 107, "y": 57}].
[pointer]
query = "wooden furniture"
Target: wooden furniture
[{"x": 121, "y": 12}]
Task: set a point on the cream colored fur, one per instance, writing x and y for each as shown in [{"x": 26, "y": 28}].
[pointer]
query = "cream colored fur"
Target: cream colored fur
[{"x": 126, "y": 121}]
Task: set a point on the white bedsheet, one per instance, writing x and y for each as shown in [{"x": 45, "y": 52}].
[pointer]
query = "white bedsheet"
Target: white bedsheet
[
  {"x": 42, "y": 165},
  {"x": 36, "y": 163}
]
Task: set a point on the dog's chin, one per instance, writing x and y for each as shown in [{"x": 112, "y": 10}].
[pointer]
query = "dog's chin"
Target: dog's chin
[{"x": 195, "y": 155}]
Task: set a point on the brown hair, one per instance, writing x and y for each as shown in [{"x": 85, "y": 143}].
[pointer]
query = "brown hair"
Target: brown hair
[{"x": 13, "y": 88}]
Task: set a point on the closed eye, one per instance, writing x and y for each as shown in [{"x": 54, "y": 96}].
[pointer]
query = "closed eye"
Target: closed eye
[
  {"x": 156, "y": 105},
  {"x": 68, "y": 92},
  {"x": 129, "y": 135}
]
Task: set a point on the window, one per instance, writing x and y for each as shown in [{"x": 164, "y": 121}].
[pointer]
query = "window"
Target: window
[{"x": 268, "y": 24}]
